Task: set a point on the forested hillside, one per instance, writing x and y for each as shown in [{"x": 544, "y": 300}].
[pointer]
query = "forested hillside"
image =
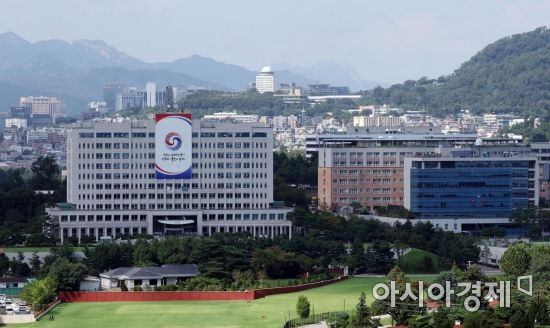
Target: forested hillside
[{"x": 511, "y": 75}]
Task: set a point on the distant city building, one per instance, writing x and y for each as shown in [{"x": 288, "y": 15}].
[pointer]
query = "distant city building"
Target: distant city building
[
  {"x": 97, "y": 106},
  {"x": 327, "y": 90},
  {"x": 170, "y": 98},
  {"x": 368, "y": 121},
  {"x": 231, "y": 116},
  {"x": 130, "y": 98},
  {"x": 43, "y": 110},
  {"x": 110, "y": 92},
  {"x": 265, "y": 80},
  {"x": 151, "y": 91},
  {"x": 20, "y": 112},
  {"x": 20, "y": 123}
]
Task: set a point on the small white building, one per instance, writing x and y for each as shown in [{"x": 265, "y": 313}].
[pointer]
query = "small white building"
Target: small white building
[
  {"x": 168, "y": 274},
  {"x": 20, "y": 123}
]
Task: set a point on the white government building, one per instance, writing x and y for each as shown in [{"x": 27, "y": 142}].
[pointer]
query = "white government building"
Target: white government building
[{"x": 112, "y": 189}]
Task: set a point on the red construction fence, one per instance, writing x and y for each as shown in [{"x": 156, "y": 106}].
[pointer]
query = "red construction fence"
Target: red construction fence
[{"x": 247, "y": 295}]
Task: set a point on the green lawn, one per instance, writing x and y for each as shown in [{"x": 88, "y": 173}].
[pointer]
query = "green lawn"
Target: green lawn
[
  {"x": 267, "y": 312},
  {"x": 414, "y": 262},
  {"x": 32, "y": 249}
]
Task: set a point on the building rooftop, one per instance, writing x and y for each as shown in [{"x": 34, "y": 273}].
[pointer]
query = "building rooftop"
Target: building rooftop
[{"x": 165, "y": 271}]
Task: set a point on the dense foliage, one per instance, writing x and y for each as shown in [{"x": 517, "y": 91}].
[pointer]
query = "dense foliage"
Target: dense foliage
[
  {"x": 21, "y": 208},
  {"x": 511, "y": 75},
  {"x": 292, "y": 175}
]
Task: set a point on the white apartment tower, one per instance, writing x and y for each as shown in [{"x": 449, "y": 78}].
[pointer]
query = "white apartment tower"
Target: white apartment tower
[
  {"x": 112, "y": 189},
  {"x": 265, "y": 80},
  {"x": 151, "y": 90}
]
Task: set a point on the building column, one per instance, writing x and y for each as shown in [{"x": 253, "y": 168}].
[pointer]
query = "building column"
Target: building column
[
  {"x": 272, "y": 228},
  {"x": 289, "y": 232}
]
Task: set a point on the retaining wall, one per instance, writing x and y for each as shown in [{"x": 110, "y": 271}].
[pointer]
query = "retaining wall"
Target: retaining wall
[
  {"x": 259, "y": 293},
  {"x": 247, "y": 295}
]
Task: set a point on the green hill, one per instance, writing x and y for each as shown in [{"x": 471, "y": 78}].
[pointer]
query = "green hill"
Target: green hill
[
  {"x": 511, "y": 75},
  {"x": 420, "y": 261}
]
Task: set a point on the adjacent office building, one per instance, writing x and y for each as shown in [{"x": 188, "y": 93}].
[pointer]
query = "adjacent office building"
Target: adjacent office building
[
  {"x": 368, "y": 168},
  {"x": 112, "y": 189},
  {"x": 467, "y": 187}
]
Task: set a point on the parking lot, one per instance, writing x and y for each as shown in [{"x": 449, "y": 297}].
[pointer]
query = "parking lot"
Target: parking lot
[{"x": 12, "y": 306}]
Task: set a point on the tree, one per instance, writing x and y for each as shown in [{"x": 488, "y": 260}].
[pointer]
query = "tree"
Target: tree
[
  {"x": 67, "y": 275},
  {"x": 516, "y": 260},
  {"x": 356, "y": 206},
  {"x": 39, "y": 293},
  {"x": 522, "y": 319},
  {"x": 46, "y": 173},
  {"x": 483, "y": 319},
  {"x": 403, "y": 309},
  {"x": 442, "y": 318},
  {"x": 362, "y": 318},
  {"x": 35, "y": 263},
  {"x": 379, "y": 257},
  {"x": 302, "y": 307},
  {"x": 18, "y": 267},
  {"x": 4, "y": 264}
]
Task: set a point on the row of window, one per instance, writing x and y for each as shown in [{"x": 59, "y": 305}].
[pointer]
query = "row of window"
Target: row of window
[
  {"x": 151, "y": 176},
  {"x": 368, "y": 190},
  {"x": 151, "y": 145},
  {"x": 88, "y": 135},
  {"x": 361, "y": 181},
  {"x": 137, "y": 155},
  {"x": 170, "y": 206},
  {"x": 205, "y": 196},
  {"x": 143, "y": 218}
]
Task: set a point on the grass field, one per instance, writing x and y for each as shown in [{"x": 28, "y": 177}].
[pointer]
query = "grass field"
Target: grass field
[
  {"x": 267, "y": 312},
  {"x": 413, "y": 262}
]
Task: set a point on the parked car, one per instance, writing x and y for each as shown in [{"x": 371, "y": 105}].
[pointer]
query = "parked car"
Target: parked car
[
  {"x": 9, "y": 309},
  {"x": 18, "y": 305}
]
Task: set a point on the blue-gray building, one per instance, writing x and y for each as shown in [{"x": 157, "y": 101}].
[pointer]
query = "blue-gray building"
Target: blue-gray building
[{"x": 476, "y": 187}]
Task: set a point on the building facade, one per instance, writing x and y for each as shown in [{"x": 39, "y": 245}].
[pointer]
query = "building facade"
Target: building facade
[
  {"x": 542, "y": 151},
  {"x": 112, "y": 190},
  {"x": 368, "y": 121},
  {"x": 49, "y": 107},
  {"x": 469, "y": 187},
  {"x": 368, "y": 168}
]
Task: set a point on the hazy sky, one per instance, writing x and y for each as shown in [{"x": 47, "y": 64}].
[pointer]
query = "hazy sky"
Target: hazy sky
[{"x": 384, "y": 40}]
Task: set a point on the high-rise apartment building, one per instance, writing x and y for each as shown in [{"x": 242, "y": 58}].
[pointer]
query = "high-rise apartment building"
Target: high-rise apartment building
[
  {"x": 265, "y": 80},
  {"x": 112, "y": 189},
  {"x": 151, "y": 91},
  {"x": 110, "y": 92}
]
